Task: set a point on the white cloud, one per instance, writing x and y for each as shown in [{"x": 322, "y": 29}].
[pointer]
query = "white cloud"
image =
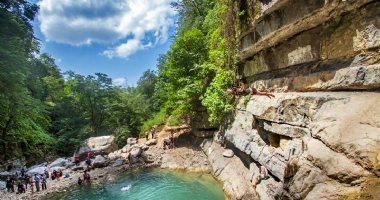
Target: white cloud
[
  {"x": 119, "y": 81},
  {"x": 81, "y": 22}
]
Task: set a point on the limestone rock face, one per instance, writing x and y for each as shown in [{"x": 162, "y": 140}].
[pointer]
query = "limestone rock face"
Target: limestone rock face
[
  {"x": 310, "y": 141},
  {"x": 105, "y": 144},
  {"x": 231, "y": 171}
]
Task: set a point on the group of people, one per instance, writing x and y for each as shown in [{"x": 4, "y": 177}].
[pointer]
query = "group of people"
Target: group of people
[
  {"x": 36, "y": 182},
  {"x": 152, "y": 132}
]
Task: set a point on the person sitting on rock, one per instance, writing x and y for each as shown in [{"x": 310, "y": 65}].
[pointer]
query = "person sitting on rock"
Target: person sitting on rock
[
  {"x": 263, "y": 176},
  {"x": 244, "y": 91}
]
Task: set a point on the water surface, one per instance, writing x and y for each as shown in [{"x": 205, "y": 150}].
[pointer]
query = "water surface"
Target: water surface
[{"x": 153, "y": 184}]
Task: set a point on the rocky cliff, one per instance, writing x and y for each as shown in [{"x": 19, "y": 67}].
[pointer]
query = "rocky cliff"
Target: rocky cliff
[{"x": 320, "y": 136}]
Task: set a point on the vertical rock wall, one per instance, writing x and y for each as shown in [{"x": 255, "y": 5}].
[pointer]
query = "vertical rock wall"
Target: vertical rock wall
[{"x": 320, "y": 136}]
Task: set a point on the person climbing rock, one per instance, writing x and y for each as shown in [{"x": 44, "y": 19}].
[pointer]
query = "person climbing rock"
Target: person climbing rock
[
  {"x": 146, "y": 135},
  {"x": 243, "y": 90},
  {"x": 263, "y": 176}
]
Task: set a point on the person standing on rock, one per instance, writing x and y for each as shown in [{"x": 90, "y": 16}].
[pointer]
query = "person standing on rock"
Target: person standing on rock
[
  {"x": 37, "y": 182},
  {"x": 26, "y": 181},
  {"x": 10, "y": 184},
  {"x": 43, "y": 182},
  {"x": 243, "y": 90},
  {"x": 31, "y": 184},
  {"x": 146, "y": 135}
]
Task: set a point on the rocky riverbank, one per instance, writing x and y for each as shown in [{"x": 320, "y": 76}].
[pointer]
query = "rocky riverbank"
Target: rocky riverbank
[{"x": 136, "y": 154}]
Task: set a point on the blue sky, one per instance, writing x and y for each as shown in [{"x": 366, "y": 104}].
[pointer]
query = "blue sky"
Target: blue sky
[{"x": 121, "y": 38}]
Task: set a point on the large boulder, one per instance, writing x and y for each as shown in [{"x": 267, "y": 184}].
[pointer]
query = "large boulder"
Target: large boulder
[
  {"x": 60, "y": 162},
  {"x": 102, "y": 144},
  {"x": 100, "y": 161},
  {"x": 36, "y": 170}
]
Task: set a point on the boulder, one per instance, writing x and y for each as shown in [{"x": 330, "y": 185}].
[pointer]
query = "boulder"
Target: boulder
[
  {"x": 100, "y": 161},
  {"x": 228, "y": 153},
  {"x": 36, "y": 170},
  {"x": 118, "y": 163},
  {"x": 102, "y": 144},
  {"x": 147, "y": 157},
  {"x": 151, "y": 142},
  {"x": 60, "y": 162},
  {"x": 135, "y": 153}
]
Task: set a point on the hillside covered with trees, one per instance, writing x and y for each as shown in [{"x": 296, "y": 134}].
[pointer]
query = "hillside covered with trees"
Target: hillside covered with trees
[{"x": 45, "y": 111}]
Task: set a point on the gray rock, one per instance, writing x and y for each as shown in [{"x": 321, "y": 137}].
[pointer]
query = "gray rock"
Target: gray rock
[
  {"x": 60, "y": 162},
  {"x": 3, "y": 185},
  {"x": 134, "y": 154},
  {"x": 118, "y": 163},
  {"x": 36, "y": 170},
  {"x": 100, "y": 161},
  {"x": 228, "y": 153}
]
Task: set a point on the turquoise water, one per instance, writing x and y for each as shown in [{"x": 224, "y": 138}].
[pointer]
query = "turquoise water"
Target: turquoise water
[{"x": 151, "y": 185}]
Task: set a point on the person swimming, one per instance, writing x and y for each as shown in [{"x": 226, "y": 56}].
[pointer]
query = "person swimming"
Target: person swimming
[{"x": 126, "y": 188}]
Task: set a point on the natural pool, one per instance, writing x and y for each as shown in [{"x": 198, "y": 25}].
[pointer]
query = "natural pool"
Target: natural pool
[{"x": 153, "y": 184}]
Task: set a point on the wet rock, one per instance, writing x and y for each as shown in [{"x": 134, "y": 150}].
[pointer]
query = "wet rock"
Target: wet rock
[
  {"x": 151, "y": 142},
  {"x": 228, "y": 153},
  {"x": 100, "y": 161},
  {"x": 118, "y": 163},
  {"x": 102, "y": 144}
]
